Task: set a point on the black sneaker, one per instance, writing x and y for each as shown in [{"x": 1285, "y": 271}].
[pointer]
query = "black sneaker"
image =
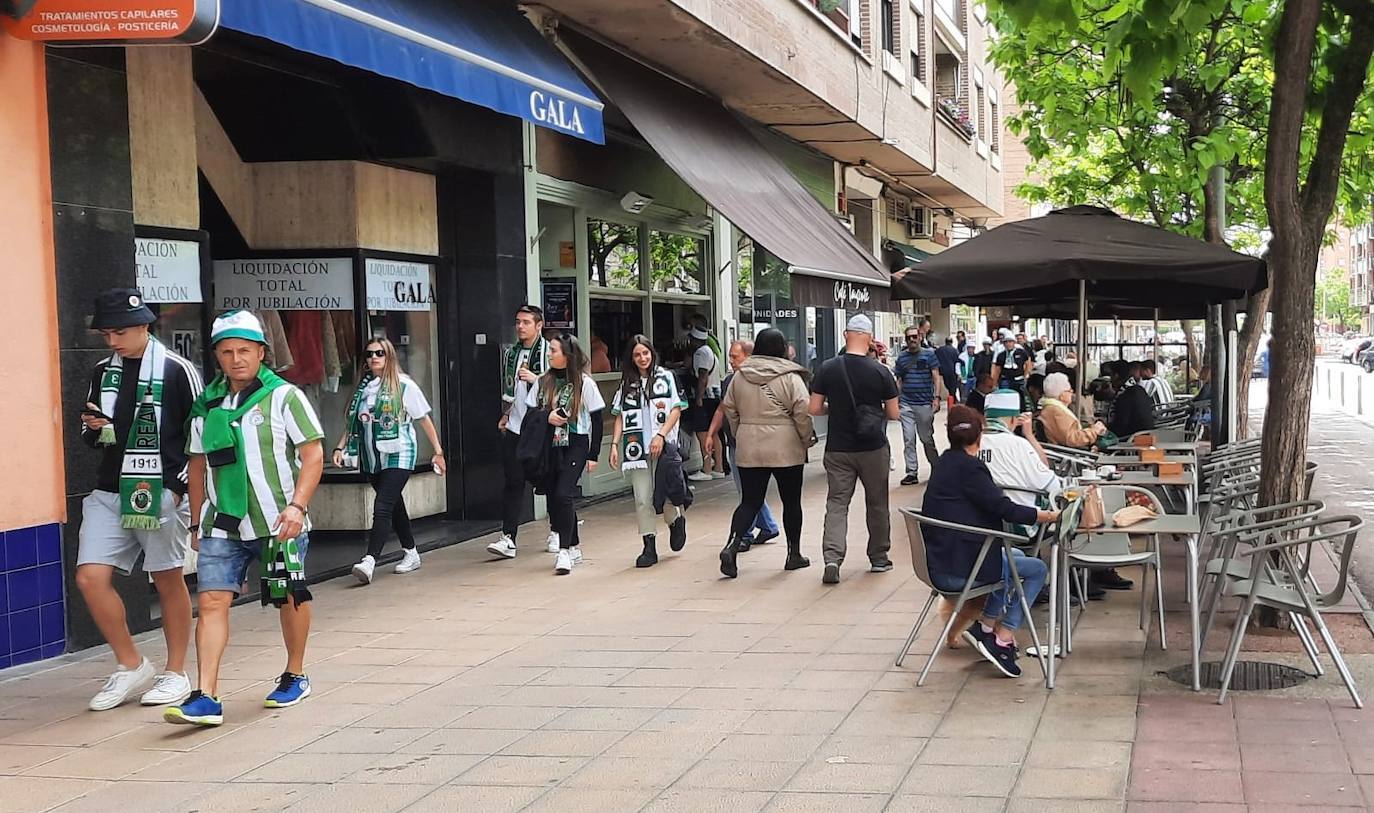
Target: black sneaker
[
  {"x": 880, "y": 566},
  {"x": 764, "y": 537},
  {"x": 910, "y": 480},
  {"x": 677, "y": 533},
  {"x": 999, "y": 655},
  {"x": 1109, "y": 579},
  {"x": 831, "y": 574}
]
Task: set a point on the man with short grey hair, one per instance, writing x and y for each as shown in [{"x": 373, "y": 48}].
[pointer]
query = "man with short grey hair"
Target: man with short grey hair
[
  {"x": 860, "y": 396},
  {"x": 767, "y": 527}
]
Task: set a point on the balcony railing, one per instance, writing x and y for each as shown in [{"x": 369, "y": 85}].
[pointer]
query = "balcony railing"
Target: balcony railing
[{"x": 955, "y": 112}]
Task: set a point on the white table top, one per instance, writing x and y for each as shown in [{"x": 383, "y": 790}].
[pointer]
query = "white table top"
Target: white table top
[
  {"x": 1163, "y": 524},
  {"x": 1169, "y": 446}
]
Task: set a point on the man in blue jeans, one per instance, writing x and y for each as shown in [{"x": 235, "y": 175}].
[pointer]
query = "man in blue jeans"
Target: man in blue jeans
[
  {"x": 917, "y": 373},
  {"x": 767, "y": 527},
  {"x": 256, "y": 457}
]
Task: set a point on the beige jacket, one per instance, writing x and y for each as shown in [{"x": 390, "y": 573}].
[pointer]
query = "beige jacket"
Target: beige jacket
[
  {"x": 1062, "y": 426},
  {"x": 766, "y": 406}
]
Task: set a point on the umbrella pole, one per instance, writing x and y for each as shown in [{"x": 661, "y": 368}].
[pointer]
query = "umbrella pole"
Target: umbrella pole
[
  {"x": 1082, "y": 340},
  {"x": 1154, "y": 349}
]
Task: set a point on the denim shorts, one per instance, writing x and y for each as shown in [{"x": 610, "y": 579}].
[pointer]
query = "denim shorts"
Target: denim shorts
[{"x": 223, "y": 563}]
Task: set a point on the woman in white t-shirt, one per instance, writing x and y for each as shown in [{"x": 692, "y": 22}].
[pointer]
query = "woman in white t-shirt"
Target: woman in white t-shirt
[
  {"x": 647, "y": 407},
  {"x": 575, "y": 404},
  {"x": 379, "y": 434}
]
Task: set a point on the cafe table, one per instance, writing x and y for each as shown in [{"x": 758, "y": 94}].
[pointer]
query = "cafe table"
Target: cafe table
[
  {"x": 1188, "y": 459},
  {"x": 1189, "y": 526},
  {"x": 1170, "y": 447}
]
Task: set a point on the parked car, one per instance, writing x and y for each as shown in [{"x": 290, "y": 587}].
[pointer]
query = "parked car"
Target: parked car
[
  {"x": 1367, "y": 360},
  {"x": 1351, "y": 349}
]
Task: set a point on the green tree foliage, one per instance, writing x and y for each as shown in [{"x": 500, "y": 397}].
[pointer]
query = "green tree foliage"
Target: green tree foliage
[{"x": 1333, "y": 305}]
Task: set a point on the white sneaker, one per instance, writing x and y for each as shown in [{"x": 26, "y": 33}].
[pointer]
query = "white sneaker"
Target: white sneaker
[
  {"x": 553, "y": 542},
  {"x": 410, "y": 561},
  {"x": 121, "y": 686},
  {"x": 700, "y": 477},
  {"x": 362, "y": 571},
  {"x": 717, "y": 475},
  {"x": 170, "y": 687},
  {"x": 567, "y": 558},
  {"x": 503, "y": 547}
]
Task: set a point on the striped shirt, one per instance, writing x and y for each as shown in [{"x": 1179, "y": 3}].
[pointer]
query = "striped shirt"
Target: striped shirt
[
  {"x": 414, "y": 407},
  {"x": 273, "y": 431}
]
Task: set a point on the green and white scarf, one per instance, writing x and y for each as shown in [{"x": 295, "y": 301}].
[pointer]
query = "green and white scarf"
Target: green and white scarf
[
  {"x": 511, "y": 369},
  {"x": 636, "y": 433},
  {"x": 140, "y": 475},
  {"x": 562, "y": 398},
  {"x": 1042, "y": 502},
  {"x": 384, "y": 415}
]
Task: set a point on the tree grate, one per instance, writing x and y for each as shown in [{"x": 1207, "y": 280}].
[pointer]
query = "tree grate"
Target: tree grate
[{"x": 1248, "y": 676}]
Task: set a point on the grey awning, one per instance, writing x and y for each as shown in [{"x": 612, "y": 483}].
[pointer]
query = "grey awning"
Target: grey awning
[{"x": 719, "y": 158}]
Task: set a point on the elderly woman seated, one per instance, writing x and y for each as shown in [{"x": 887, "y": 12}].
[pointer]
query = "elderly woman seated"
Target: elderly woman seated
[
  {"x": 961, "y": 490},
  {"x": 1062, "y": 426}
]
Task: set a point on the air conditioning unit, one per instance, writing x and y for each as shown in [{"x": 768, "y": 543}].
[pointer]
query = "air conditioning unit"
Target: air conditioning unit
[{"x": 920, "y": 225}]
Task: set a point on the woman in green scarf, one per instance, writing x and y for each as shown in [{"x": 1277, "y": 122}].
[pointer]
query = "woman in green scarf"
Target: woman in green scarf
[{"x": 379, "y": 438}]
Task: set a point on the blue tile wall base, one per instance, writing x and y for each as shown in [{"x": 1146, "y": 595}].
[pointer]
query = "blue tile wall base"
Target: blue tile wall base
[{"x": 32, "y": 602}]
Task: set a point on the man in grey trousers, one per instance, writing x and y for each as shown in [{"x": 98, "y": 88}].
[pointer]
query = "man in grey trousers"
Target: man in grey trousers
[{"x": 860, "y": 396}]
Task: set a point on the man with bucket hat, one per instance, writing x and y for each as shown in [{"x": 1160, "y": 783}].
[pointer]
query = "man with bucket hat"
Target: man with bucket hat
[
  {"x": 135, "y": 414},
  {"x": 256, "y": 458}
]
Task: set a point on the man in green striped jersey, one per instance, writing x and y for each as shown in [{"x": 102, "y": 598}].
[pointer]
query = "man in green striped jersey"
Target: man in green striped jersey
[{"x": 256, "y": 458}]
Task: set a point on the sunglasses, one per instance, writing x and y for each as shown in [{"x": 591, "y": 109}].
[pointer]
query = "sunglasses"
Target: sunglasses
[
  {"x": 913, "y": 338},
  {"x": 375, "y": 354}
]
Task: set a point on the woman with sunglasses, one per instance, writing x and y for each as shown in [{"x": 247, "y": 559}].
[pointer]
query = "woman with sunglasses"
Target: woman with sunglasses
[
  {"x": 379, "y": 437},
  {"x": 574, "y": 404}
]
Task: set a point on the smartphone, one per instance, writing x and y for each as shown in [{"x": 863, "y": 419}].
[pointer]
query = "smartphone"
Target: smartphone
[
  {"x": 561, "y": 412},
  {"x": 95, "y": 413}
]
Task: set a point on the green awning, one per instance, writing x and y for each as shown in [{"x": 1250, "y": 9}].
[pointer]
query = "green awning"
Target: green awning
[{"x": 900, "y": 256}]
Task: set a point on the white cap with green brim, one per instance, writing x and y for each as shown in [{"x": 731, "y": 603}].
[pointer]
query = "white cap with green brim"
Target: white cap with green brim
[
  {"x": 1002, "y": 404},
  {"x": 237, "y": 325}
]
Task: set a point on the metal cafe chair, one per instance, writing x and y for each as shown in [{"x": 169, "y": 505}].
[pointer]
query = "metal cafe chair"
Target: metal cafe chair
[
  {"x": 1229, "y": 562},
  {"x": 1112, "y": 548},
  {"x": 916, "y": 538},
  {"x": 1283, "y": 588}
]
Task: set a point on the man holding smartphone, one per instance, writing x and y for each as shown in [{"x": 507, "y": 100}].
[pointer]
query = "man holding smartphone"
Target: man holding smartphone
[
  {"x": 521, "y": 366},
  {"x": 135, "y": 415}
]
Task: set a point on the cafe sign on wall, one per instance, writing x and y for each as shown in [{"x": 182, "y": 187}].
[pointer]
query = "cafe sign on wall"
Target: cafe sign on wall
[{"x": 117, "y": 22}]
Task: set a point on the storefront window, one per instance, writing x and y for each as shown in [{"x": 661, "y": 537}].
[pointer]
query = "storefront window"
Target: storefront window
[
  {"x": 614, "y": 321},
  {"x": 613, "y": 254},
  {"x": 401, "y": 307},
  {"x": 677, "y": 263}
]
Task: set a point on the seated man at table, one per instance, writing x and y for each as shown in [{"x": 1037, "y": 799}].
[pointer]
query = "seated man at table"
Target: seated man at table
[
  {"x": 1132, "y": 409},
  {"x": 961, "y": 490},
  {"x": 1012, "y": 453}
]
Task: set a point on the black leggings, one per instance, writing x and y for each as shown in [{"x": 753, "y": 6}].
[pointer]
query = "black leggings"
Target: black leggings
[
  {"x": 753, "y": 487},
  {"x": 389, "y": 511},
  {"x": 569, "y": 461}
]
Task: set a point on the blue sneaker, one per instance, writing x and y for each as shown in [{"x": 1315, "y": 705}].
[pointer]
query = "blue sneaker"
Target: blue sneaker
[
  {"x": 291, "y": 689},
  {"x": 199, "y": 709}
]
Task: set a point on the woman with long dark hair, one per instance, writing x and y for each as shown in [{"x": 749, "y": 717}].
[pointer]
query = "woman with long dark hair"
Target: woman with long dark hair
[
  {"x": 574, "y": 403},
  {"x": 767, "y": 407},
  {"x": 647, "y": 407},
  {"x": 379, "y": 432}
]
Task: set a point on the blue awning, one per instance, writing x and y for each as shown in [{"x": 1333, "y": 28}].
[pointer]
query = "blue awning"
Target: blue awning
[{"x": 478, "y": 52}]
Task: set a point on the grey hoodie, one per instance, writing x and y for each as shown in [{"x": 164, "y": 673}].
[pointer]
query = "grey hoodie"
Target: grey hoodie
[{"x": 766, "y": 406}]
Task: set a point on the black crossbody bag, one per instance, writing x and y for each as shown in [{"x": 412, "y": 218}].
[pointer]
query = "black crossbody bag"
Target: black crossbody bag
[{"x": 869, "y": 421}]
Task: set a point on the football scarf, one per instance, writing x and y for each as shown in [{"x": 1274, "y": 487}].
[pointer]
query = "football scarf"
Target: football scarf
[
  {"x": 385, "y": 417},
  {"x": 222, "y": 439},
  {"x": 563, "y": 400},
  {"x": 511, "y": 369},
  {"x": 140, "y": 475},
  {"x": 635, "y": 433}
]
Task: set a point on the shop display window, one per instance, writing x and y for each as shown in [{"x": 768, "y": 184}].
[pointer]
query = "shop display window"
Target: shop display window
[
  {"x": 677, "y": 263},
  {"x": 614, "y": 322},
  {"x": 613, "y": 251}
]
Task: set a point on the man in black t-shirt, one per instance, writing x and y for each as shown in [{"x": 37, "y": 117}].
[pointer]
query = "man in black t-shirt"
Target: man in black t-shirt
[
  {"x": 860, "y": 396},
  {"x": 1010, "y": 367}
]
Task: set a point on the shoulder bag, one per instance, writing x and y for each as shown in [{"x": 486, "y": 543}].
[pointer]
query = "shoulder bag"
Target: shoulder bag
[{"x": 869, "y": 421}]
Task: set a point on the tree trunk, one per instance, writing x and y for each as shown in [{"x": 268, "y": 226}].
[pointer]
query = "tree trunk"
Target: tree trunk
[{"x": 1292, "y": 348}]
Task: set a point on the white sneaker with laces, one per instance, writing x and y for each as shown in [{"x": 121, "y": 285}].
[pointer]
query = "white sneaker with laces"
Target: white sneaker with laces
[
  {"x": 576, "y": 554},
  {"x": 553, "y": 542},
  {"x": 121, "y": 685},
  {"x": 410, "y": 561},
  {"x": 700, "y": 477},
  {"x": 170, "y": 687},
  {"x": 563, "y": 565},
  {"x": 717, "y": 475},
  {"x": 362, "y": 571},
  {"x": 503, "y": 547}
]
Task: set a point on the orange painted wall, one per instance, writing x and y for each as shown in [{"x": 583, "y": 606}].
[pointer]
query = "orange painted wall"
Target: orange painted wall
[{"x": 31, "y": 474}]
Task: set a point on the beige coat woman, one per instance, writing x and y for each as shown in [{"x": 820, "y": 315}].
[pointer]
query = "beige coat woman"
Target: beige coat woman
[{"x": 766, "y": 406}]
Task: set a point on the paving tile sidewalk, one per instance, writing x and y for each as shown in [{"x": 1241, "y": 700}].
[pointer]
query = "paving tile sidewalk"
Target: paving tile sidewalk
[{"x": 496, "y": 686}]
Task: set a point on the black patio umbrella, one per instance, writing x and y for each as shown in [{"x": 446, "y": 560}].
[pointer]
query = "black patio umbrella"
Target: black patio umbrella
[{"x": 1054, "y": 260}]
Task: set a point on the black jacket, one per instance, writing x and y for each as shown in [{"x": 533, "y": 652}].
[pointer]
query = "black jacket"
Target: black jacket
[
  {"x": 1132, "y": 411},
  {"x": 534, "y": 450},
  {"x": 961, "y": 490},
  {"x": 181, "y": 384}
]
